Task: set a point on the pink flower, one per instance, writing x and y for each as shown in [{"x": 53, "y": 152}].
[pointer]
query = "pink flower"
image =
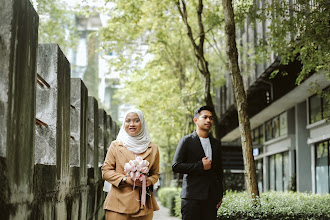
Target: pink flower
[
  {"x": 137, "y": 168},
  {"x": 145, "y": 170},
  {"x": 139, "y": 159},
  {"x": 137, "y": 175},
  {"x": 128, "y": 168}
]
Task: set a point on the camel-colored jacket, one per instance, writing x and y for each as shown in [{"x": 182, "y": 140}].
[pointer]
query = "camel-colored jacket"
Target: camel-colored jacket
[{"x": 122, "y": 198}]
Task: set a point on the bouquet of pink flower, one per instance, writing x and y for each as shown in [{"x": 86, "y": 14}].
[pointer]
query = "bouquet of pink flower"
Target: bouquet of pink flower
[{"x": 137, "y": 169}]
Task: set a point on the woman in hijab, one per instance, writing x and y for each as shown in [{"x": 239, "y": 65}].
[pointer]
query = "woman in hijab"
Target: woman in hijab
[{"x": 125, "y": 199}]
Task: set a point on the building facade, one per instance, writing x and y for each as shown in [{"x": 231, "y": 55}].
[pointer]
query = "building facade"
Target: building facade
[{"x": 290, "y": 131}]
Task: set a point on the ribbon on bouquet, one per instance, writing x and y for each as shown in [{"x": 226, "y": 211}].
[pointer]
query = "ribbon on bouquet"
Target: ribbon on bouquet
[{"x": 144, "y": 190}]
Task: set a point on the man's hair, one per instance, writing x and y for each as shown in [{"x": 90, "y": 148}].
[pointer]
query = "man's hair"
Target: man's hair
[{"x": 205, "y": 107}]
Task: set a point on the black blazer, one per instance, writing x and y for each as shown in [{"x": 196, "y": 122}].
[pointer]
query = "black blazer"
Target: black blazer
[{"x": 198, "y": 183}]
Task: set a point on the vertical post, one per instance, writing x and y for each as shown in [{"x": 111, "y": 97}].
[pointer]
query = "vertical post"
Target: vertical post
[
  {"x": 53, "y": 108},
  {"x": 78, "y": 148},
  {"x": 92, "y": 131},
  {"x": 18, "y": 42}
]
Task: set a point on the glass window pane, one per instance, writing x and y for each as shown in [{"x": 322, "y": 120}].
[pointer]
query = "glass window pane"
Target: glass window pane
[
  {"x": 268, "y": 129},
  {"x": 259, "y": 170},
  {"x": 286, "y": 177},
  {"x": 261, "y": 134},
  {"x": 276, "y": 127},
  {"x": 326, "y": 103},
  {"x": 322, "y": 166},
  {"x": 256, "y": 135},
  {"x": 272, "y": 172},
  {"x": 279, "y": 172},
  {"x": 314, "y": 109},
  {"x": 283, "y": 124}
]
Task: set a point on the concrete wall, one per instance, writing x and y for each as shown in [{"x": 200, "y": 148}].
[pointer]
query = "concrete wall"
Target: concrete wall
[
  {"x": 46, "y": 119},
  {"x": 19, "y": 44}
]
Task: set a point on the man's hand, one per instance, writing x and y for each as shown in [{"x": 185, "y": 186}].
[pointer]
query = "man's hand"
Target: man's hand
[
  {"x": 219, "y": 204},
  {"x": 206, "y": 163}
]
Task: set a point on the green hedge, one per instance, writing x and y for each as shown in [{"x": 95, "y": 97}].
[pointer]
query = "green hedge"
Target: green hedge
[
  {"x": 273, "y": 205},
  {"x": 167, "y": 197}
]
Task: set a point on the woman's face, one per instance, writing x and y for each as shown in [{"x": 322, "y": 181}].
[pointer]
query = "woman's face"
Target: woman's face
[{"x": 132, "y": 124}]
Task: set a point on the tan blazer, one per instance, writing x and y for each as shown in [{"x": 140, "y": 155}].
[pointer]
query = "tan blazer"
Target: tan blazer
[{"x": 121, "y": 197}]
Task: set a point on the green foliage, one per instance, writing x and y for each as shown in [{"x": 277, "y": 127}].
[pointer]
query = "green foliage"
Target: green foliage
[
  {"x": 299, "y": 31},
  {"x": 168, "y": 198},
  {"x": 177, "y": 208},
  {"x": 272, "y": 205},
  {"x": 56, "y": 23},
  {"x": 275, "y": 205},
  {"x": 158, "y": 65}
]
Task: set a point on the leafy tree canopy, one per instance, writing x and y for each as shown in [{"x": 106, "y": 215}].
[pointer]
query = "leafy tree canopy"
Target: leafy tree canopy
[
  {"x": 303, "y": 27},
  {"x": 56, "y": 23}
]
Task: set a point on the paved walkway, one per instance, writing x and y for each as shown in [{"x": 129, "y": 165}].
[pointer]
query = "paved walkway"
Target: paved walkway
[{"x": 163, "y": 213}]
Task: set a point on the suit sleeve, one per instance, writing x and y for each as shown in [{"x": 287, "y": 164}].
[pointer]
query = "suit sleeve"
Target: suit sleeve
[
  {"x": 108, "y": 169},
  {"x": 154, "y": 170},
  {"x": 180, "y": 164},
  {"x": 219, "y": 169}
]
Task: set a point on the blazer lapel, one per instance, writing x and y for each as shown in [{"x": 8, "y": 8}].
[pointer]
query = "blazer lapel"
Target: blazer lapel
[
  {"x": 126, "y": 153},
  {"x": 213, "y": 148},
  {"x": 130, "y": 155},
  {"x": 197, "y": 146},
  {"x": 146, "y": 153}
]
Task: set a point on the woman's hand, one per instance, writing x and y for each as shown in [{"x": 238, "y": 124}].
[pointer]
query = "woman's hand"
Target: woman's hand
[
  {"x": 139, "y": 183},
  {"x": 130, "y": 181}
]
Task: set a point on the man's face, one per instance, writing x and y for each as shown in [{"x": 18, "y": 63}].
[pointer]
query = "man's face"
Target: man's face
[{"x": 204, "y": 120}]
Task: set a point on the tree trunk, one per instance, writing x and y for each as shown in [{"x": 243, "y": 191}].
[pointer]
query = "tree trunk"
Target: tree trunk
[
  {"x": 241, "y": 102},
  {"x": 202, "y": 65}
]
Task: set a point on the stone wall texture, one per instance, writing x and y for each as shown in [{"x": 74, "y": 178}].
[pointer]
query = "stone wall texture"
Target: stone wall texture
[{"x": 53, "y": 137}]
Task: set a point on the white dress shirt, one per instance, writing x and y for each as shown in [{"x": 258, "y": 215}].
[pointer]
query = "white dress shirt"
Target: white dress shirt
[{"x": 207, "y": 147}]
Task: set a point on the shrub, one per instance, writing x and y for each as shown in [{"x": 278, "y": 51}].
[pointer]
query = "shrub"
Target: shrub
[
  {"x": 177, "y": 208},
  {"x": 275, "y": 205},
  {"x": 167, "y": 197}
]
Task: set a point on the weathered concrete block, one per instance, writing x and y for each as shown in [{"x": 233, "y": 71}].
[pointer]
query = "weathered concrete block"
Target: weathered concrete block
[
  {"x": 108, "y": 133},
  {"x": 102, "y": 136},
  {"x": 78, "y": 120},
  {"x": 92, "y": 131},
  {"x": 18, "y": 52},
  {"x": 53, "y": 109},
  {"x": 113, "y": 130}
]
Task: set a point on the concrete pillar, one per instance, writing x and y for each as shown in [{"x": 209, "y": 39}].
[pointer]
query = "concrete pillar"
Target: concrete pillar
[
  {"x": 92, "y": 131},
  {"x": 78, "y": 113},
  {"x": 53, "y": 109},
  {"x": 303, "y": 150},
  {"x": 102, "y": 136},
  {"x": 18, "y": 43},
  {"x": 109, "y": 133}
]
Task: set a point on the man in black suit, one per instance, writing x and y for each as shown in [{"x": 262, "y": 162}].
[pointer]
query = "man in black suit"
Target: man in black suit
[{"x": 198, "y": 157}]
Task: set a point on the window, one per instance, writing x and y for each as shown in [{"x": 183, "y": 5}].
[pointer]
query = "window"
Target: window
[
  {"x": 259, "y": 171},
  {"x": 258, "y": 140},
  {"x": 258, "y": 135},
  {"x": 276, "y": 127},
  {"x": 319, "y": 106},
  {"x": 279, "y": 172},
  {"x": 322, "y": 167}
]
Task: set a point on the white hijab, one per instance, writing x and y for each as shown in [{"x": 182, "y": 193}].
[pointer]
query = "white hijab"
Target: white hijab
[{"x": 138, "y": 143}]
